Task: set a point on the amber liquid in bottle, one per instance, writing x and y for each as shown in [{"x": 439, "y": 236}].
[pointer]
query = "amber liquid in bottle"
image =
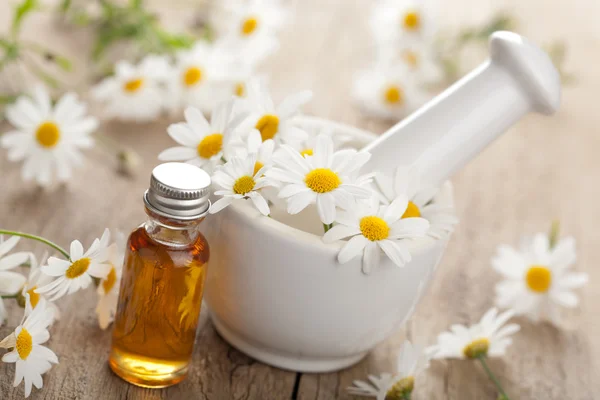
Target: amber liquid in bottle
[{"x": 159, "y": 304}]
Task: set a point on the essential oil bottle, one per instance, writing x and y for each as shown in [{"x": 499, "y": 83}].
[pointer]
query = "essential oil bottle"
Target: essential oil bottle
[{"x": 163, "y": 279}]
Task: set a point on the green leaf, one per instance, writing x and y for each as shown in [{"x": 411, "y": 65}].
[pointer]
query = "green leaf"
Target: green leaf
[
  {"x": 64, "y": 6},
  {"x": 63, "y": 62},
  {"x": 26, "y": 7}
]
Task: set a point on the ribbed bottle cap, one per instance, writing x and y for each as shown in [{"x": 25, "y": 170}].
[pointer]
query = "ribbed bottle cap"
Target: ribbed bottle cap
[{"x": 179, "y": 191}]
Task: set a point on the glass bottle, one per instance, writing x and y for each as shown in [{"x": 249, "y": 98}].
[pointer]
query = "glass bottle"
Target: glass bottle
[{"x": 163, "y": 280}]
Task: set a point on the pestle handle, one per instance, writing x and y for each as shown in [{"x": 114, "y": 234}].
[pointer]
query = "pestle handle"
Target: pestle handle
[{"x": 450, "y": 130}]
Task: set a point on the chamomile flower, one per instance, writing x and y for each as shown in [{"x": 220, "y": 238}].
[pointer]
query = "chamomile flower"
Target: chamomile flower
[
  {"x": 254, "y": 144},
  {"x": 418, "y": 59},
  {"x": 388, "y": 90},
  {"x": 247, "y": 21},
  {"x": 410, "y": 362},
  {"x": 307, "y": 146},
  {"x": 396, "y": 21},
  {"x": 10, "y": 282},
  {"x": 199, "y": 77},
  {"x": 373, "y": 228},
  {"x": 274, "y": 122},
  {"x": 537, "y": 278},
  {"x": 108, "y": 289},
  {"x": 203, "y": 144},
  {"x": 238, "y": 179},
  {"x": 325, "y": 178},
  {"x": 77, "y": 273},
  {"x": 31, "y": 359},
  {"x": 488, "y": 338},
  {"x": 407, "y": 181},
  {"x": 35, "y": 280},
  {"x": 48, "y": 138},
  {"x": 136, "y": 92}
]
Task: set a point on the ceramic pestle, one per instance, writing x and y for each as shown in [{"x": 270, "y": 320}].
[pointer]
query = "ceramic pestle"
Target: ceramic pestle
[{"x": 450, "y": 130}]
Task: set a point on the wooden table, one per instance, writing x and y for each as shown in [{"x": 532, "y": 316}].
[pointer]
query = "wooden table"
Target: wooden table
[{"x": 545, "y": 168}]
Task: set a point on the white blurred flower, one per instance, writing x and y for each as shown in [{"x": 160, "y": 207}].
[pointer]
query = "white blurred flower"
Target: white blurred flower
[
  {"x": 35, "y": 280},
  {"x": 400, "y": 21},
  {"x": 77, "y": 273},
  {"x": 48, "y": 138},
  {"x": 388, "y": 90},
  {"x": 537, "y": 278},
  {"x": 410, "y": 362},
  {"x": 31, "y": 359},
  {"x": 249, "y": 20},
  {"x": 108, "y": 289},
  {"x": 373, "y": 228},
  {"x": 135, "y": 92},
  {"x": 488, "y": 338},
  {"x": 238, "y": 179},
  {"x": 325, "y": 178},
  {"x": 274, "y": 122},
  {"x": 201, "y": 77},
  {"x": 418, "y": 58},
  {"x": 10, "y": 282},
  {"x": 407, "y": 181},
  {"x": 202, "y": 143}
]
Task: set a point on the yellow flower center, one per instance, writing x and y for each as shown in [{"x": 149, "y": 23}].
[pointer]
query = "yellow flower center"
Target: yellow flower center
[
  {"x": 374, "y": 228},
  {"x": 34, "y": 297},
  {"x": 240, "y": 90},
  {"x": 24, "y": 344},
  {"x": 412, "y": 21},
  {"x": 47, "y": 134},
  {"x": 412, "y": 211},
  {"x": 249, "y": 26},
  {"x": 539, "y": 278},
  {"x": 322, "y": 180},
  {"x": 78, "y": 268},
  {"x": 401, "y": 389},
  {"x": 306, "y": 152},
  {"x": 268, "y": 126},
  {"x": 210, "y": 146},
  {"x": 243, "y": 185},
  {"x": 257, "y": 166},
  {"x": 192, "y": 76},
  {"x": 394, "y": 95},
  {"x": 477, "y": 348},
  {"x": 110, "y": 280},
  {"x": 411, "y": 58},
  {"x": 133, "y": 85}
]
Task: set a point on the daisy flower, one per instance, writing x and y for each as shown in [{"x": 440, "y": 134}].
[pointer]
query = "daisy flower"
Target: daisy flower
[
  {"x": 488, "y": 338},
  {"x": 396, "y": 21},
  {"x": 238, "y": 179},
  {"x": 372, "y": 228},
  {"x": 77, "y": 273},
  {"x": 136, "y": 92},
  {"x": 255, "y": 145},
  {"x": 537, "y": 278},
  {"x": 418, "y": 58},
  {"x": 108, "y": 289},
  {"x": 200, "y": 75},
  {"x": 31, "y": 359},
  {"x": 48, "y": 138},
  {"x": 307, "y": 146},
  {"x": 407, "y": 181},
  {"x": 35, "y": 280},
  {"x": 388, "y": 90},
  {"x": 203, "y": 144},
  {"x": 410, "y": 362},
  {"x": 325, "y": 178},
  {"x": 10, "y": 282},
  {"x": 274, "y": 122}
]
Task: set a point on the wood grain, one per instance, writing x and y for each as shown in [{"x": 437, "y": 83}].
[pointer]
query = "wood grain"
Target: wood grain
[{"x": 543, "y": 169}]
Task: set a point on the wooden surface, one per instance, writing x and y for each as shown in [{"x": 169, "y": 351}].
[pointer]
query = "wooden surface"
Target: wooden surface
[{"x": 542, "y": 169}]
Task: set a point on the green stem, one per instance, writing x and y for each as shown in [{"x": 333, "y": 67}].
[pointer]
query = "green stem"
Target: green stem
[
  {"x": 14, "y": 296},
  {"x": 493, "y": 377},
  {"x": 39, "y": 239},
  {"x": 327, "y": 227},
  {"x": 554, "y": 233}
]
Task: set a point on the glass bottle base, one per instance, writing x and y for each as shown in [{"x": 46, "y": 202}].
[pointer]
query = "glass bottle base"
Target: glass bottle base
[{"x": 147, "y": 372}]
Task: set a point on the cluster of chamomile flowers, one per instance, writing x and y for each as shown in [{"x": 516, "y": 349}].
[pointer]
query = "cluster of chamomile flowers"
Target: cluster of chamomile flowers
[
  {"x": 209, "y": 72},
  {"x": 404, "y": 68},
  {"x": 263, "y": 152}
]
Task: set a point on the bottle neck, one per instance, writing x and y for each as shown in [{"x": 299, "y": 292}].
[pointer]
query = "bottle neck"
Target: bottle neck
[{"x": 172, "y": 232}]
